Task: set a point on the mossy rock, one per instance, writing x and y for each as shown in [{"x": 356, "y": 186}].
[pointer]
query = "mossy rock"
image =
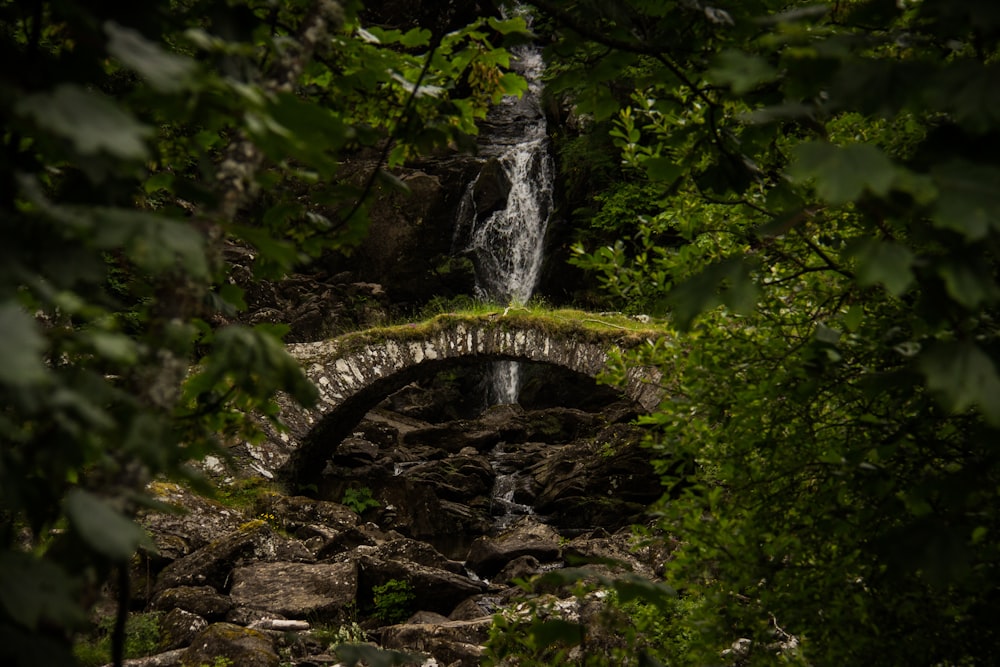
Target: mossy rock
[{"x": 241, "y": 646}]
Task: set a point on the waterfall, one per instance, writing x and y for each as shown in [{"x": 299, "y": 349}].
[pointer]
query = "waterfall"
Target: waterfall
[{"x": 504, "y": 232}]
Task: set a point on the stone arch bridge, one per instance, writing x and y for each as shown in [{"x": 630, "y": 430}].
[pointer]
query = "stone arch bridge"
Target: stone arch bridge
[{"x": 356, "y": 371}]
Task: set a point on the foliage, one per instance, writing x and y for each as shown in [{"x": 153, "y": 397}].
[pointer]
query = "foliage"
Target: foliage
[
  {"x": 393, "y": 601},
  {"x": 142, "y": 638},
  {"x": 348, "y": 633},
  {"x": 828, "y": 170},
  {"x": 623, "y": 620},
  {"x": 360, "y": 499},
  {"x": 140, "y": 143}
]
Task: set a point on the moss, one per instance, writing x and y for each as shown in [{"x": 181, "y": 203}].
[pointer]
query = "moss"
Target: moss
[{"x": 564, "y": 323}]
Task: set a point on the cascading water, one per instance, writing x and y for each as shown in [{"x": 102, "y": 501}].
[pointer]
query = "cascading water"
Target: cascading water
[{"x": 507, "y": 241}]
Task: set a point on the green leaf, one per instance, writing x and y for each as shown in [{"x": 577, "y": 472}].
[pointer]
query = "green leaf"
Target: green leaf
[
  {"x": 963, "y": 376},
  {"x": 742, "y": 72},
  {"x": 166, "y": 72},
  {"x": 843, "y": 174},
  {"x": 21, "y": 347},
  {"x": 882, "y": 262},
  {"x": 92, "y": 122},
  {"x": 161, "y": 181},
  {"x": 105, "y": 529},
  {"x": 968, "y": 198},
  {"x": 516, "y": 24},
  {"x": 416, "y": 37}
]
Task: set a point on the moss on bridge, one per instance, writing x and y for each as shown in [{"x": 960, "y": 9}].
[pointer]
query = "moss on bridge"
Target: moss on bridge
[{"x": 597, "y": 328}]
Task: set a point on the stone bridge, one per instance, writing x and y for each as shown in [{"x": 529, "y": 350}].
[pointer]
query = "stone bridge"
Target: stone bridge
[{"x": 356, "y": 371}]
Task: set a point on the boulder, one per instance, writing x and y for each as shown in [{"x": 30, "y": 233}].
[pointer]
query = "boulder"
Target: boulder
[
  {"x": 195, "y": 522},
  {"x": 297, "y": 590},
  {"x": 453, "y": 437},
  {"x": 453, "y": 643},
  {"x": 294, "y": 512},
  {"x": 434, "y": 589},
  {"x": 461, "y": 477},
  {"x": 415, "y": 551},
  {"x": 179, "y": 627},
  {"x": 489, "y": 555},
  {"x": 604, "y": 481},
  {"x": 482, "y": 606},
  {"x": 203, "y": 601},
  {"x": 417, "y": 511},
  {"x": 212, "y": 564},
  {"x": 241, "y": 646},
  {"x": 522, "y": 567}
]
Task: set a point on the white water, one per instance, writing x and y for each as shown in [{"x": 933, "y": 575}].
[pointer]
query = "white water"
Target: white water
[{"x": 507, "y": 244}]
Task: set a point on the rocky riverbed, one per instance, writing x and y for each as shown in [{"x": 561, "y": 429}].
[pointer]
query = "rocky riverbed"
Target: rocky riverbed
[{"x": 423, "y": 524}]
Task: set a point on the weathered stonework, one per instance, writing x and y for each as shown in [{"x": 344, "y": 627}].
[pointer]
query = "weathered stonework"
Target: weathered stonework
[{"x": 353, "y": 373}]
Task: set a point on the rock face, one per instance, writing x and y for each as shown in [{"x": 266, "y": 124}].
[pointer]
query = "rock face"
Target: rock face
[{"x": 315, "y": 591}]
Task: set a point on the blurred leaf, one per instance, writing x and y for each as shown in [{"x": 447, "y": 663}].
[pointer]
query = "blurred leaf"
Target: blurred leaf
[
  {"x": 883, "y": 262},
  {"x": 33, "y": 590},
  {"x": 843, "y": 174},
  {"x": 662, "y": 169},
  {"x": 104, "y": 529},
  {"x": 166, "y": 72},
  {"x": 556, "y": 631},
  {"x": 21, "y": 347},
  {"x": 968, "y": 198},
  {"x": 963, "y": 376},
  {"x": 742, "y": 72},
  {"x": 114, "y": 346},
  {"x": 727, "y": 282},
  {"x": 969, "y": 282},
  {"x": 92, "y": 122}
]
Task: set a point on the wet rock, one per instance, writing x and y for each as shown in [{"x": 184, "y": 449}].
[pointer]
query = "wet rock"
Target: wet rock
[
  {"x": 296, "y": 590},
  {"x": 491, "y": 189},
  {"x": 242, "y": 646},
  {"x": 489, "y": 555}
]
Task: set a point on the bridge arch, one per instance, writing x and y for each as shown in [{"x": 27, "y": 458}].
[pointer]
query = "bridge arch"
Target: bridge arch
[{"x": 357, "y": 371}]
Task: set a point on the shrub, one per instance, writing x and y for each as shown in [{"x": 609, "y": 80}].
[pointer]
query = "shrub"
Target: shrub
[{"x": 393, "y": 601}]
